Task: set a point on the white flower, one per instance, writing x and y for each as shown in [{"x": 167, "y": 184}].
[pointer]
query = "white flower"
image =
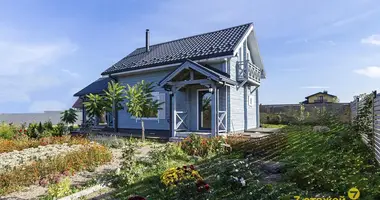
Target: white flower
[
  {"x": 246, "y": 165},
  {"x": 242, "y": 181},
  {"x": 236, "y": 170},
  {"x": 250, "y": 193}
]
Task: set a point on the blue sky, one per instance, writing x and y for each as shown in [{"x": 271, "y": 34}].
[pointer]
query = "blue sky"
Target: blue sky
[{"x": 50, "y": 49}]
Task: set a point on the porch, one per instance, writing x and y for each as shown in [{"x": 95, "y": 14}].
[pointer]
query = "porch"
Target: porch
[{"x": 198, "y": 100}]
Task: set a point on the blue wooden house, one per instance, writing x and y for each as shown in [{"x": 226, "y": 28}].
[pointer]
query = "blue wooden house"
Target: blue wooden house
[{"x": 209, "y": 84}]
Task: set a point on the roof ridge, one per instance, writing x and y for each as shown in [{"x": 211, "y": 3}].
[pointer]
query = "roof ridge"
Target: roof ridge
[{"x": 197, "y": 35}]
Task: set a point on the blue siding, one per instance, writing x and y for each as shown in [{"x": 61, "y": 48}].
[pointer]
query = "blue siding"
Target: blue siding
[{"x": 125, "y": 120}]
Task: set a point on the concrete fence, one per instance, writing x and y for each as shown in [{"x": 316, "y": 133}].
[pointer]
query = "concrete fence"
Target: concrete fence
[
  {"x": 20, "y": 118},
  {"x": 373, "y": 117}
]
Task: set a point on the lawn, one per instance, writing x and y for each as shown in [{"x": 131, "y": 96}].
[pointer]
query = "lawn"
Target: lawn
[{"x": 314, "y": 164}]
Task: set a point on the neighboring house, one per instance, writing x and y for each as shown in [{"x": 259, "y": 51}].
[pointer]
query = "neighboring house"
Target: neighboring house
[
  {"x": 208, "y": 83},
  {"x": 321, "y": 97}
]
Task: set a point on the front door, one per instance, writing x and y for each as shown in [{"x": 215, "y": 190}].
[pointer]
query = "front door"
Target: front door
[{"x": 204, "y": 110}]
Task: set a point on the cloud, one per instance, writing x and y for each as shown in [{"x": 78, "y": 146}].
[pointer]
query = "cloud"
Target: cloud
[
  {"x": 315, "y": 87},
  {"x": 373, "y": 39},
  {"x": 28, "y": 67},
  {"x": 49, "y": 105},
  {"x": 371, "y": 71},
  {"x": 72, "y": 74},
  {"x": 354, "y": 18}
]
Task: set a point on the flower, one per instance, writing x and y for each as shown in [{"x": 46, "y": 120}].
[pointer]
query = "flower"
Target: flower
[
  {"x": 185, "y": 167},
  {"x": 192, "y": 167},
  {"x": 207, "y": 186},
  {"x": 242, "y": 181}
]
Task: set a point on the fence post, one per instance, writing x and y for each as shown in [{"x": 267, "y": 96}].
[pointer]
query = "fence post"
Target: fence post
[{"x": 374, "y": 94}]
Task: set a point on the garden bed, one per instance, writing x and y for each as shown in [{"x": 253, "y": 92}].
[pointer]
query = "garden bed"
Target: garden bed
[
  {"x": 52, "y": 169},
  {"x": 7, "y": 145},
  {"x": 302, "y": 163}
]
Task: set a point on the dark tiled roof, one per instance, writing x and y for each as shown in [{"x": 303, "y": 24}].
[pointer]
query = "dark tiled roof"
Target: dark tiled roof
[
  {"x": 78, "y": 104},
  {"x": 207, "y": 45},
  {"x": 320, "y": 93},
  {"x": 95, "y": 87}
]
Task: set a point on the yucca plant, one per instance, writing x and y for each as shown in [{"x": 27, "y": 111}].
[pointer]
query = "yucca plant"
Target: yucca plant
[
  {"x": 95, "y": 105},
  {"x": 140, "y": 102},
  {"x": 114, "y": 98},
  {"x": 69, "y": 116}
]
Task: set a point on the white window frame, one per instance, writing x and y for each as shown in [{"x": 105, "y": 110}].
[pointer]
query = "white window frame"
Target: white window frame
[{"x": 157, "y": 96}]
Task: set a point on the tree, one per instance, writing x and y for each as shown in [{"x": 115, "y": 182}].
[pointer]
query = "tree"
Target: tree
[
  {"x": 140, "y": 102},
  {"x": 69, "y": 116},
  {"x": 95, "y": 105},
  {"x": 114, "y": 98}
]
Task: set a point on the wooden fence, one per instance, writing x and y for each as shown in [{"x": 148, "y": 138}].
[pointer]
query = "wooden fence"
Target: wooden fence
[{"x": 374, "y": 117}]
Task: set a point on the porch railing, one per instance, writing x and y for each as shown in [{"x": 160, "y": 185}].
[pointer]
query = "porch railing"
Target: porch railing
[
  {"x": 180, "y": 119},
  {"x": 246, "y": 70},
  {"x": 222, "y": 121}
]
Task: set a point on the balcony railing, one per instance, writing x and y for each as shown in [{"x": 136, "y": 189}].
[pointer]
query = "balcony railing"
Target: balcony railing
[{"x": 247, "y": 71}]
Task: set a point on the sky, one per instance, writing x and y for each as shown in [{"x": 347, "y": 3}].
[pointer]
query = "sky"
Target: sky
[{"x": 50, "y": 49}]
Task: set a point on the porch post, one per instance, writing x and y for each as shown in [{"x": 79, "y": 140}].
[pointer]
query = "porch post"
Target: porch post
[
  {"x": 83, "y": 112},
  {"x": 217, "y": 112},
  {"x": 174, "y": 110},
  {"x": 213, "y": 112}
]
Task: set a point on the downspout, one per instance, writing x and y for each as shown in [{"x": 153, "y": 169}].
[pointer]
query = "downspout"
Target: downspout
[{"x": 116, "y": 117}]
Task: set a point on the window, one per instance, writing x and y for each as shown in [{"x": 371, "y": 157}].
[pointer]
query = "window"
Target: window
[
  {"x": 250, "y": 100},
  {"x": 320, "y": 99},
  {"x": 161, "y": 113}
]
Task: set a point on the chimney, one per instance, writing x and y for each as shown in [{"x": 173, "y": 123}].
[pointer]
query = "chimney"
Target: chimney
[{"x": 147, "y": 40}]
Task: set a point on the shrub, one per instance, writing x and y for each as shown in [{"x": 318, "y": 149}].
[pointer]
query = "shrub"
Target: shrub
[
  {"x": 59, "y": 130},
  {"x": 48, "y": 125},
  {"x": 173, "y": 176},
  {"x": 60, "y": 189},
  {"x": 196, "y": 145},
  {"x": 88, "y": 157},
  {"x": 7, "y": 131},
  {"x": 129, "y": 170},
  {"x": 32, "y": 130}
]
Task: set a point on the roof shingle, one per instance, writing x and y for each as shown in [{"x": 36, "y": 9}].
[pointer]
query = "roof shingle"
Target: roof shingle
[
  {"x": 96, "y": 87},
  {"x": 207, "y": 45}
]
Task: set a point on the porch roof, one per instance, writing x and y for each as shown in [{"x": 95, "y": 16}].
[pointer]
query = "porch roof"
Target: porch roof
[
  {"x": 213, "y": 74},
  {"x": 96, "y": 87}
]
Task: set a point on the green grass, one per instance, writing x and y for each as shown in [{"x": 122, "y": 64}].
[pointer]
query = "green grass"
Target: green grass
[
  {"x": 316, "y": 163},
  {"x": 273, "y": 125}
]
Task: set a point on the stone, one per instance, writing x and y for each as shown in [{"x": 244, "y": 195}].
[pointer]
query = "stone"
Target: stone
[
  {"x": 321, "y": 129},
  {"x": 272, "y": 178},
  {"x": 273, "y": 167}
]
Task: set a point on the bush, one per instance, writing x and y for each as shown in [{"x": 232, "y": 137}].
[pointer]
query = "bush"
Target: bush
[
  {"x": 60, "y": 189},
  {"x": 7, "y": 131},
  {"x": 86, "y": 158},
  {"x": 176, "y": 175},
  {"x": 32, "y": 130},
  {"x": 196, "y": 145},
  {"x": 48, "y": 125}
]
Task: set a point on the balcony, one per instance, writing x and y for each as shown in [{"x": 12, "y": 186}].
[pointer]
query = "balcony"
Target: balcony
[{"x": 248, "y": 72}]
